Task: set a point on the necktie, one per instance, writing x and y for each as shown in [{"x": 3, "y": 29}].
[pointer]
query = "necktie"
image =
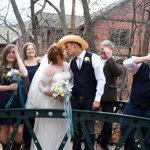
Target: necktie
[{"x": 80, "y": 63}]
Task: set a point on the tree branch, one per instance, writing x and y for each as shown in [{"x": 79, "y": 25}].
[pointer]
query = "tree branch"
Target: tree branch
[{"x": 43, "y": 6}]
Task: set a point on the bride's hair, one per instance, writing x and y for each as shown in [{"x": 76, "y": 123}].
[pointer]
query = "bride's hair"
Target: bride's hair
[{"x": 54, "y": 51}]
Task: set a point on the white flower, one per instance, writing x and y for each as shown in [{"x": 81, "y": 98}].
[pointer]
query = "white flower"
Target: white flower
[
  {"x": 13, "y": 72},
  {"x": 87, "y": 59},
  {"x": 9, "y": 74},
  {"x": 59, "y": 89}
]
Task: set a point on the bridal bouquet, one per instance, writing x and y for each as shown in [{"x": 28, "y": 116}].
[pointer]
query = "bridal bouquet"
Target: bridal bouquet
[
  {"x": 13, "y": 75},
  {"x": 59, "y": 89}
]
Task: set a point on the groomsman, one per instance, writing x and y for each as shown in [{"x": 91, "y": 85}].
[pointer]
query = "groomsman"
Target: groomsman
[
  {"x": 139, "y": 101},
  {"x": 89, "y": 81}
]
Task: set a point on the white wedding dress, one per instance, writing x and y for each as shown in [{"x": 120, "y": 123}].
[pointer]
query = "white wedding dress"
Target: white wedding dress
[{"x": 49, "y": 131}]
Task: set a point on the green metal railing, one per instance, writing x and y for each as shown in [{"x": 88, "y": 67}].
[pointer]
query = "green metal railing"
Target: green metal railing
[{"x": 25, "y": 114}]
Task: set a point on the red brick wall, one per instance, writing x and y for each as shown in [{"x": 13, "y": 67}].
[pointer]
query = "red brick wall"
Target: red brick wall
[{"x": 122, "y": 17}]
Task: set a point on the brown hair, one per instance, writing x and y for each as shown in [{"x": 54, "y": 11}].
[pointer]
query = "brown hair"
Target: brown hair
[
  {"x": 54, "y": 51},
  {"x": 25, "y": 49},
  {"x": 4, "y": 62},
  {"x": 75, "y": 43}
]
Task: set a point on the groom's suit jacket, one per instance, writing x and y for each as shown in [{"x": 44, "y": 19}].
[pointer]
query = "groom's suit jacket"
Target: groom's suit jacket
[{"x": 84, "y": 78}]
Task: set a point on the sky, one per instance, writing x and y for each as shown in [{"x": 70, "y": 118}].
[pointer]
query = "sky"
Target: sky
[
  {"x": 24, "y": 5},
  {"x": 94, "y": 5}
]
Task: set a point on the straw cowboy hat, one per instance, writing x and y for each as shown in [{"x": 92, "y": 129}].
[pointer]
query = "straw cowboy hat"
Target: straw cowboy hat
[{"x": 73, "y": 38}]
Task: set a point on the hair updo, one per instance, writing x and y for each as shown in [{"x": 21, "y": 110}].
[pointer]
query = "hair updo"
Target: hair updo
[{"x": 53, "y": 52}]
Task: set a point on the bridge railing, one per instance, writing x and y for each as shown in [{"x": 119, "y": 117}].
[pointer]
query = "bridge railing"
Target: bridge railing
[{"x": 25, "y": 114}]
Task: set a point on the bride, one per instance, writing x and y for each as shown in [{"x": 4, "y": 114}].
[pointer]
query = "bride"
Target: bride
[{"x": 49, "y": 131}]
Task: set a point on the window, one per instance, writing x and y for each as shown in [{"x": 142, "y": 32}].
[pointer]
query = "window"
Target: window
[{"x": 120, "y": 37}]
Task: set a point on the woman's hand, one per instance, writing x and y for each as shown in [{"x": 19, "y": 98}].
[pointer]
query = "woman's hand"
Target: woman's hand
[
  {"x": 17, "y": 54},
  {"x": 21, "y": 65},
  {"x": 48, "y": 93},
  {"x": 13, "y": 86}
]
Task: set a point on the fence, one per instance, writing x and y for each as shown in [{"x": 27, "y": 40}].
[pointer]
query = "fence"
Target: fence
[{"x": 25, "y": 114}]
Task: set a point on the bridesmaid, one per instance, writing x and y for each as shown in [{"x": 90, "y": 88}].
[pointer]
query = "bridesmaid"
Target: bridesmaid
[
  {"x": 32, "y": 62},
  {"x": 12, "y": 95}
]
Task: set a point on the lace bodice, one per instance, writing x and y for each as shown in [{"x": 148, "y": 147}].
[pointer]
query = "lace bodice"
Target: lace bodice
[
  {"x": 61, "y": 76},
  {"x": 45, "y": 82}
]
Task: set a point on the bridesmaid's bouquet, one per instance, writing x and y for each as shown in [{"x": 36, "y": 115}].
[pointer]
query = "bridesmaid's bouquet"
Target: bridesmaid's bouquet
[
  {"x": 59, "y": 89},
  {"x": 13, "y": 75}
]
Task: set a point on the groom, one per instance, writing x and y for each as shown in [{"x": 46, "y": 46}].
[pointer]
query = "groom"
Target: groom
[{"x": 88, "y": 86}]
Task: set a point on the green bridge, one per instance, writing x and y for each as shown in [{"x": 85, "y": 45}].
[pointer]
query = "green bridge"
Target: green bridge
[{"x": 25, "y": 114}]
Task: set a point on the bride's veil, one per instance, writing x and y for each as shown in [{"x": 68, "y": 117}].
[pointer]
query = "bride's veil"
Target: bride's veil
[{"x": 32, "y": 100}]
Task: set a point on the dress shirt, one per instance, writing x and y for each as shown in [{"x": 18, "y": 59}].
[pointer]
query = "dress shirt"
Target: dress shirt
[
  {"x": 131, "y": 66},
  {"x": 103, "y": 61},
  {"x": 97, "y": 65},
  {"x": 80, "y": 58}
]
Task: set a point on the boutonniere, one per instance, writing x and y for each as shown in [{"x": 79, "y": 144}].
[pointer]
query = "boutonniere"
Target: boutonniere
[{"x": 87, "y": 60}]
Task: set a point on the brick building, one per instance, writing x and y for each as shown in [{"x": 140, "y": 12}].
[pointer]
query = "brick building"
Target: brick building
[{"x": 122, "y": 22}]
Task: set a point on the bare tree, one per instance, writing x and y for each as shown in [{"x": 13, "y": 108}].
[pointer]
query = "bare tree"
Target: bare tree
[
  {"x": 34, "y": 20},
  {"x": 146, "y": 36},
  {"x": 61, "y": 15},
  {"x": 20, "y": 21},
  {"x": 7, "y": 39},
  {"x": 7, "y": 26},
  {"x": 73, "y": 18},
  {"x": 88, "y": 26}
]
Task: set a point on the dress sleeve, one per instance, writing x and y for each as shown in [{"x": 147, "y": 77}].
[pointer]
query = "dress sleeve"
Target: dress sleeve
[{"x": 44, "y": 83}]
